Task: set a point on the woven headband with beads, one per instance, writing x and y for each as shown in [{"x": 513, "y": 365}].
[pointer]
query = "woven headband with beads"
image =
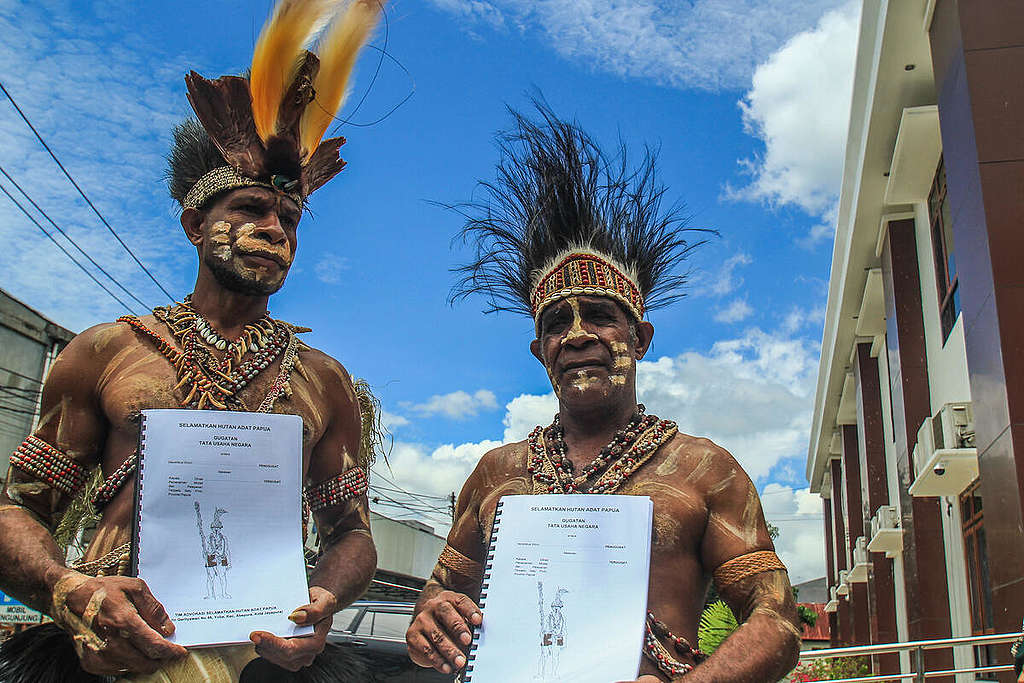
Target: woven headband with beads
[
  {"x": 582, "y": 273},
  {"x": 227, "y": 178}
]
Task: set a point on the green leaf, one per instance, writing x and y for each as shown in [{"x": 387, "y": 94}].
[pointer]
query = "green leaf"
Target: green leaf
[{"x": 717, "y": 622}]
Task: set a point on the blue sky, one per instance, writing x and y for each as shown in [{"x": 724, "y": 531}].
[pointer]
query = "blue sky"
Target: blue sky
[{"x": 746, "y": 100}]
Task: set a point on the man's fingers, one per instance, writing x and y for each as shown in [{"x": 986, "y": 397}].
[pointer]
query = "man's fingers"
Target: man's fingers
[
  {"x": 148, "y": 641},
  {"x": 467, "y": 608},
  {"x": 150, "y": 609},
  {"x": 454, "y": 623},
  {"x": 116, "y": 657},
  {"x": 288, "y": 653},
  {"x": 443, "y": 644},
  {"x": 423, "y": 652}
]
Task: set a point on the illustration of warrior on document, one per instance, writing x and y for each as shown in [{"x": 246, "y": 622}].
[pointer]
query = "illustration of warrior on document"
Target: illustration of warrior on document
[
  {"x": 216, "y": 555},
  {"x": 552, "y": 634}
]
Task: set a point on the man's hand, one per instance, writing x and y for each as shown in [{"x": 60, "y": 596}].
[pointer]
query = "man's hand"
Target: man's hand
[
  {"x": 115, "y": 622},
  {"x": 294, "y": 653},
  {"x": 441, "y": 632}
]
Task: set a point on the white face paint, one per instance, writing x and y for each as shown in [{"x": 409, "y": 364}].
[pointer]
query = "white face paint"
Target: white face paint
[{"x": 220, "y": 237}]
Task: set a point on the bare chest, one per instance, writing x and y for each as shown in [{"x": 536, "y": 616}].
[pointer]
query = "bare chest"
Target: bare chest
[{"x": 139, "y": 378}]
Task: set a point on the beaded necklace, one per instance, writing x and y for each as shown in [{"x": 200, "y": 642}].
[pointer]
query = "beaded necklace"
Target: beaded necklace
[
  {"x": 205, "y": 380},
  {"x": 629, "y": 449}
]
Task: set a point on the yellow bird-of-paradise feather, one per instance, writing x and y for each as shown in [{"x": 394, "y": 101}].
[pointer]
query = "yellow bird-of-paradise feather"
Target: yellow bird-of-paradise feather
[
  {"x": 276, "y": 56},
  {"x": 337, "y": 51}
]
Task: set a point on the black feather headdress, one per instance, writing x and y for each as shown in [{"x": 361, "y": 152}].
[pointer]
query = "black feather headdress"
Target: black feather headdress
[{"x": 563, "y": 218}]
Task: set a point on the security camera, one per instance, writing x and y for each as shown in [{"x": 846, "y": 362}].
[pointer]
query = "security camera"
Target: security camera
[{"x": 940, "y": 469}]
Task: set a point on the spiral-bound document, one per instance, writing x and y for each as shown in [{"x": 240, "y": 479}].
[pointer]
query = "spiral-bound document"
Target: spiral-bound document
[
  {"x": 218, "y": 522},
  {"x": 564, "y": 595}
]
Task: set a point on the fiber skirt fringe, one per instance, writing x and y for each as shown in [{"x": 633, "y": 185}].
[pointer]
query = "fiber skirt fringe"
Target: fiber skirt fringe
[{"x": 45, "y": 654}]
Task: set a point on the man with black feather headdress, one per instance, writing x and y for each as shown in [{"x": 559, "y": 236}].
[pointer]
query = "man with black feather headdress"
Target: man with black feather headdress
[
  {"x": 578, "y": 241},
  {"x": 242, "y": 174}
]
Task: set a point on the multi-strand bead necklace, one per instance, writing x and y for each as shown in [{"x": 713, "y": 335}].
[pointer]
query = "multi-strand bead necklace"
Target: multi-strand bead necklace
[
  {"x": 660, "y": 655},
  {"x": 205, "y": 380},
  {"x": 631, "y": 447}
]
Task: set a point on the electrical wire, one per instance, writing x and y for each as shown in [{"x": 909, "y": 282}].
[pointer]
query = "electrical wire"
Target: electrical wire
[
  {"x": 82, "y": 192},
  {"x": 68, "y": 238},
  {"x": 61, "y": 247}
]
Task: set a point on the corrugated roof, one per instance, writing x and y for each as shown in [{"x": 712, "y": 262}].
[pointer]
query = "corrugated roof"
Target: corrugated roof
[{"x": 820, "y": 630}]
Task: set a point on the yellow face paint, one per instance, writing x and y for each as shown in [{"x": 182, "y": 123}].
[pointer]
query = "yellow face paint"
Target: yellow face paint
[
  {"x": 576, "y": 331},
  {"x": 246, "y": 241}
]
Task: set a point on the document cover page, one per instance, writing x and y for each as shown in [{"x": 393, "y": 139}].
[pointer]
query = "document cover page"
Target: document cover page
[
  {"x": 565, "y": 594},
  {"x": 218, "y": 522}
]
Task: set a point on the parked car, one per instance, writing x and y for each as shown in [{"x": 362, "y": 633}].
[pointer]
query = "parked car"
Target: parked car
[{"x": 376, "y": 630}]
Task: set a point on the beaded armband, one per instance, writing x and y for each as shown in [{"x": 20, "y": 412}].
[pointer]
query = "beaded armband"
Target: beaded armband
[
  {"x": 115, "y": 482},
  {"x": 349, "y": 484},
  {"x": 44, "y": 462},
  {"x": 460, "y": 564},
  {"x": 743, "y": 566}
]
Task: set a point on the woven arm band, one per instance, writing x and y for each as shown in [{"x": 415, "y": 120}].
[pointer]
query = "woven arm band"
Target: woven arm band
[
  {"x": 42, "y": 461},
  {"x": 743, "y": 566},
  {"x": 460, "y": 564},
  {"x": 351, "y": 483}
]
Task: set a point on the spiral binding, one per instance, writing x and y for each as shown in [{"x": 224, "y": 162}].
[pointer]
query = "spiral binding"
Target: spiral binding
[
  {"x": 488, "y": 563},
  {"x": 137, "y": 517}
]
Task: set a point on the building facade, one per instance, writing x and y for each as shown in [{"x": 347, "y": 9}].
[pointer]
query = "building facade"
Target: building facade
[
  {"x": 919, "y": 409},
  {"x": 28, "y": 344}
]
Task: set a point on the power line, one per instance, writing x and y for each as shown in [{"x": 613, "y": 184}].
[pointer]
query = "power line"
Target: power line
[
  {"x": 68, "y": 238},
  {"x": 61, "y": 247},
  {"x": 405, "y": 491},
  {"x": 82, "y": 193}
]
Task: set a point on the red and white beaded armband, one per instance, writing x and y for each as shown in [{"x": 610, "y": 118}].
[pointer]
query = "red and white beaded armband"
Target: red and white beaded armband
[
  {"x": 42, "y": 461},
  {"x": 350, "y": 484}
]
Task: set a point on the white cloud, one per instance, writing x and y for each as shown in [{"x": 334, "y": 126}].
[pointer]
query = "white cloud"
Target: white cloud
[
  {"x": 391, "y": 420},
  {"x": 751, "y": 395},
  {"x": 736, "y": 311},
  {"x": 705, "y": 44},
  {"x": 799, "y": 107},
  {"x": 525, "y": 412},
  {"x": 458, "y": 405},
  {"x": 473, "y": 11},
  {"x": 330, "y": 267},
  {"x": 801, "y": 544},
  {"x": 725, "y": 280},
  {"x": 818, "y": 233}
]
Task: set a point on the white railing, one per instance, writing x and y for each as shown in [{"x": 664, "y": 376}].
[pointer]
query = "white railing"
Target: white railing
[{"x": 917, "y": 647}]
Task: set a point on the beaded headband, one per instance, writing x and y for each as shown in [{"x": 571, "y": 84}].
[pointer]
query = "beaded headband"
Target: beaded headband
[
  {"x": 586, "y": 273},
  {"x": 226, "y": 178}
]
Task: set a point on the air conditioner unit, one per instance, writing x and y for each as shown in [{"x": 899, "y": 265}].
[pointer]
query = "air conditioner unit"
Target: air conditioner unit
[
  {"x": 945, "y": 459},
  {"x": 833, "y": 604},
  {"x": 861, "y": 562},
  {"x": 886, "y": 534},
  {"x": 843, "y": 589}
]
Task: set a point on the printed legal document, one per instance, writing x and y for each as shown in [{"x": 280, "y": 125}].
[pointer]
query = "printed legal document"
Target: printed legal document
[
  {"x": 218, "y": 522},
  {"x": 564, "y": 594}
]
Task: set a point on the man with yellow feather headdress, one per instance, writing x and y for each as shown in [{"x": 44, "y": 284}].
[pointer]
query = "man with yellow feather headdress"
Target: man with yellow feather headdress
[{"x": 242, "y": 174}]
